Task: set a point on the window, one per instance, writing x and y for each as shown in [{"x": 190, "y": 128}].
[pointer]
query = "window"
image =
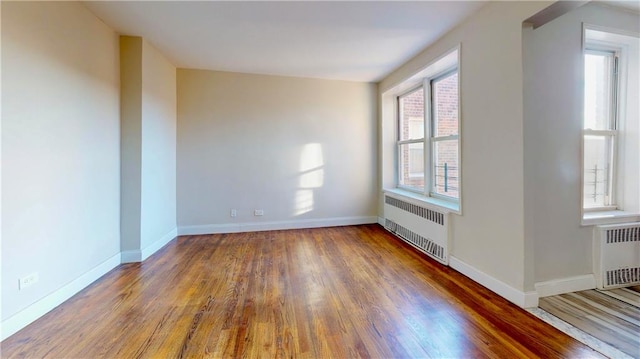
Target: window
[
  {"x": 411, "y": 135},
  {"x": 428, "y": 139},
  {"x": 600, "y": 128},
  {"x": 611, "y": 124},
  {"x": 420, "y": 141}
]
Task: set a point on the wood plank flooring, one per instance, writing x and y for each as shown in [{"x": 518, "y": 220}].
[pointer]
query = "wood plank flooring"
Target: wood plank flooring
[
  {"x": 629, "y": 295},
  {"x": 341, "y": 292},
  {"x": 612, "y": 316}
]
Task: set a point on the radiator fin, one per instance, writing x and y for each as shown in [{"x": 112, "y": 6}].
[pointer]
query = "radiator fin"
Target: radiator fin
[
  {"x": 621, "y": 235},
  {"x": 426, "y": 213},
  {"x": 623, "y": 276},
  {"x": 424, "y": 244}
]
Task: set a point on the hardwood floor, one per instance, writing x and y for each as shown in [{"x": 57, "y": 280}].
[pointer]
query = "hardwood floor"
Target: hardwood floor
[
  {"x": 612, "y": 316},
  {"x": 319, "y": 293}
]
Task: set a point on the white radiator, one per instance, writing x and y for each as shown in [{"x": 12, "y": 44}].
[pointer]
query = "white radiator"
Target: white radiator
[
  {"x": 616, "y": 255},
  {"x": 426, "y": 228}
]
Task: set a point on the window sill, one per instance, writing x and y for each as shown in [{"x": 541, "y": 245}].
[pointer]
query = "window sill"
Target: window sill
[
  {"x": 443, "y": 205},
  {"x": 609, "y": 217}
]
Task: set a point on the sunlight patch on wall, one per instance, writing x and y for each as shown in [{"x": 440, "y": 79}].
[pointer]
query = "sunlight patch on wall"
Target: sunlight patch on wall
[
  {"x": 311, "y": 177},
  {"x": 304, "y": 201}
]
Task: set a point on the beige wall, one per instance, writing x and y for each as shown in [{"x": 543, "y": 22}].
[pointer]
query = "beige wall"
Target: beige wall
[
  {"x": 488, "y": 238},
  {"x": 299, "y": 149},
  {"x": 130, "y": 141},
  {"x": 159, "y": 111},
  {"x": 148, "y": 153},
  {"x": 60, "y": 148}
]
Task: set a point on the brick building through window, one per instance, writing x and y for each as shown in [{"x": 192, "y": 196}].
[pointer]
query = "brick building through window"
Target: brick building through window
[{"x": 428, "y": 157}]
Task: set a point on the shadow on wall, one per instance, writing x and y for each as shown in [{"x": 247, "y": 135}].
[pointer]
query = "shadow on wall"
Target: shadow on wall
[{"x": 311, "y": 177}]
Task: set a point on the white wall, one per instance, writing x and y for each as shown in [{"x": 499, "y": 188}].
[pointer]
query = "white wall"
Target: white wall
[
  {"x": 60, "y": 149},
  {"x": 148, "y": 109},
  {"x": 488, "y": 238},
  {"x": 299, "y": 149},
  {"x": 553, "y": 128}
]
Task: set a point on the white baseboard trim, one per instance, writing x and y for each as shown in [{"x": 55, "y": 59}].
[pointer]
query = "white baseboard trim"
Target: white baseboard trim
[
  {"x": 530, "y": 300},
  {"x": 157, "y": 245},
  {"x": 565, "y": 285},
  {"x": 133, "y": 256},
  {"x": 276, "y": 225},
  {"x": 381, "y": 221},
  {"x": 515, "y": 296},
  {"x": 36, "y": 310},
  {"x": 136, "y": 255}
]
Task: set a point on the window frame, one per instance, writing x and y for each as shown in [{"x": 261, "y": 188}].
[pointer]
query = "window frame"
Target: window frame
[
  {"x": 400, "y": 143},
  {"x": 612, "y": 132},
  {"x": 428, "y": 140},
  {"x": 627, "y": 192},
  {"x": 435, "y": 139}
]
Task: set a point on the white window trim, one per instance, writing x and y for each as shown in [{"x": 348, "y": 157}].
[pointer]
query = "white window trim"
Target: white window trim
[
  {"x": 613, "y": 173},
  {"x": 446, "y": 206},
  {"x": 609, "y": 214},
  {"x": 609, "y": 217},
  {"x": 591, "y": 47},
  {"x": 434, "y": 139},
  {"x": 407, "y": 142}
]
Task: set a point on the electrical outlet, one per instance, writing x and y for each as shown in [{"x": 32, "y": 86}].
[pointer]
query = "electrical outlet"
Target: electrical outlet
[
  {"x": 28, "y": 281},
  {"x": 258, "y": 212},
  {"x": 234, "y": 213}
]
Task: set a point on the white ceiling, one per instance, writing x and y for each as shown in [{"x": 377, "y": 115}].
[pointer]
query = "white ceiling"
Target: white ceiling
[{"x": 357, "y": 41}]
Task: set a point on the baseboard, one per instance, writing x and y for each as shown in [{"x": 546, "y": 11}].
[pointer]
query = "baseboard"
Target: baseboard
[
  {"x": 277, "y": 225},
  {"x": 131, "y": 256},
  {"x": 565, "y": 285},
  {"x": 137, "y": 255},
  {"x": 530, "y": 300},
  {"x": 207, "y": 229},
  {"x": 515, "y": 296},
  {"x": 157, "y": 245},
  {"x": 36, "y": 310},
  {"x": 381, "y": 221}
]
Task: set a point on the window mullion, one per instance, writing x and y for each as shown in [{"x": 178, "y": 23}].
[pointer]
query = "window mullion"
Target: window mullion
[
  {"x": 590, "y": 132},
  {"x": 613, "y": 170},
  {"x": 428, "y": 160},
  {"x": 613, "y": 125},
  {"x": 414, "y": 140},
  {"x": 444, "y": 138}
]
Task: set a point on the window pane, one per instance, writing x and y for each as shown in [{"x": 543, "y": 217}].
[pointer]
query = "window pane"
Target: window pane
[
  {"x": 445, "y": 106},
  {"x": 411, "y": 108},
  {"x": 412, "y": 165},
  {"x": 445, "y": 159},
  {"x": 597, "y": 155},
  {"x": 598, "y": 69}
]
